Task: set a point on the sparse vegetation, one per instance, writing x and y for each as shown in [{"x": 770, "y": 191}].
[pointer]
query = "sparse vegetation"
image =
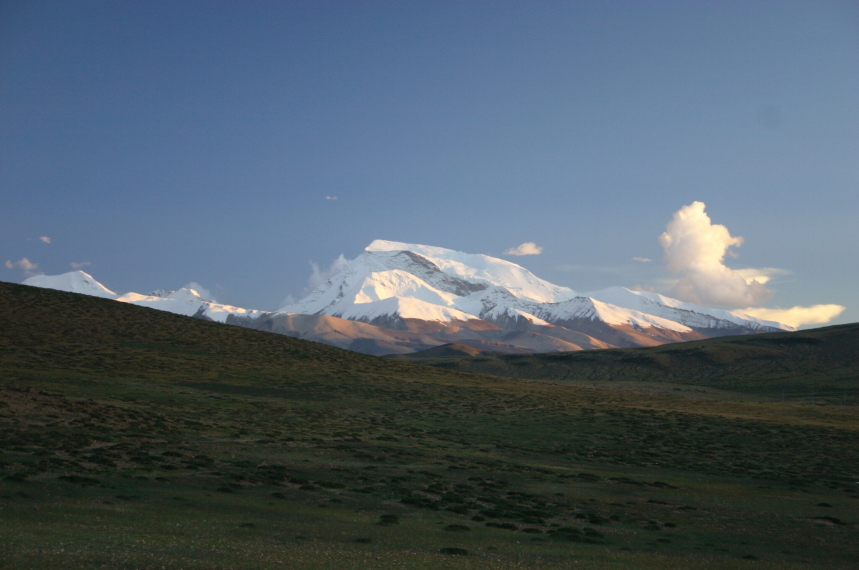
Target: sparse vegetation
[{"x": 135, "y": 438}]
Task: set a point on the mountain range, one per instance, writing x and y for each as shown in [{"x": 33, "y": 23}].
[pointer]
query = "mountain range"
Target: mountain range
[{"x": 398, "y": 298}]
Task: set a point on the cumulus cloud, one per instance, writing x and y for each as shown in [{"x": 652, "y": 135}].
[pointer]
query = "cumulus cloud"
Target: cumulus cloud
[
  {"x": 45, "y": 239},
  {"x": 202, "y": 291},
  {"x": 642, "y": 259},
  {"x": 695, "y": 249},
  {"x": 527, "y": 248},
  {"x": 25, "y": 264},
  {"x": 796, "y": 316},
  {"x": 76, "y": 265}
]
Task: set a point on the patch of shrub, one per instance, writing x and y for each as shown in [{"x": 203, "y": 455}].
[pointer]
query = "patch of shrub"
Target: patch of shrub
[
  {"x": 505, "y": 526},
  {"x": 457, "y": 528},
  {"x": 85, "y": 481},
  {"x": 386, "y": 520},
  {"x": 454, "y": 551},
  {"x": 832, "y": 520}
]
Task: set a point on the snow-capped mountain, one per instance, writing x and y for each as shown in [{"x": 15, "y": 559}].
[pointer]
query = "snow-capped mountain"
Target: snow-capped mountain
[
  {"x": 72, "y": 282},
  {"x": 408, "y": 286},
  {"x": 399, "y": 297},
  {"x": 189, "y": 303},
  {"x": 182, "y": 301}
]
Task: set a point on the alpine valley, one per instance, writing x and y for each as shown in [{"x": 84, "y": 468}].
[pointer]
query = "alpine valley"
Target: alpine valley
[{"x": 399, "y": 298}]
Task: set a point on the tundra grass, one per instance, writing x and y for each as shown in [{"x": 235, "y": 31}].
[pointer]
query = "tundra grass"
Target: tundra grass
[
  {"x": 133, "y": 438},
  {"x": 818, "y": 366}
]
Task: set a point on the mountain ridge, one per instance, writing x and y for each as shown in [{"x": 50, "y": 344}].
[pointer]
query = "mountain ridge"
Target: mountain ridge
[{"x": 413, "y": 297}]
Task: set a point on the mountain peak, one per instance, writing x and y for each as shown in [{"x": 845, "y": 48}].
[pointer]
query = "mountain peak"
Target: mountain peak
[{"x": 73, "y": 282}]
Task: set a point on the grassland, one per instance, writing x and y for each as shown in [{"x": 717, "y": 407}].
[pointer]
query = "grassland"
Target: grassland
[
  {"x": 819, "y": 366},
  {"x": 136, "y": 438}
]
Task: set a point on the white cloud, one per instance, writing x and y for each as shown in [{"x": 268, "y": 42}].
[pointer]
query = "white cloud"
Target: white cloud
[
  {"x": 694, "y": 250},
  {"x": 331, "y": 197},
  {"x": 79, "y": 265},
  {"x": 762, "y": 275},
  {"x": 202, "y": 291},
  {"x": 796, "y": 316},
  {"x": 642, "y": 259},
  {"x": 45, "y": 239},
  {"x": 527, "y": 248},
  {"x": 28, "y": 266}
]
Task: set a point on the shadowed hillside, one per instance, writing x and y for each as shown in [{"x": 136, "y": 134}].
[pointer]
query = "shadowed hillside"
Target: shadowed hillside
[
  {"x": 134, "y": 438},
  {"x": 824, "y": 359}
]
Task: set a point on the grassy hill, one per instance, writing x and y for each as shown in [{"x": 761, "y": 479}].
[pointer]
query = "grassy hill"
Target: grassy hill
[
  {"x": 822, "y": 361},
  {"x": 136, "y": 438}
]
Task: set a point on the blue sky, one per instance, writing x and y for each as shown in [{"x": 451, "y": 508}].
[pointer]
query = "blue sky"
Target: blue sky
[{"x": 168, "y": 142}]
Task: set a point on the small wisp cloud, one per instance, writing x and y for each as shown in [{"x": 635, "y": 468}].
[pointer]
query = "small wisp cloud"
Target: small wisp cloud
[
  {"x": 202, "y": 291},
  {"x": 45, "y": 239},
  {"x": 318, "y": 276},
  {"x": 75, "y": 265},
  {"x": 695, "y": 250},
  {"x": 527, "y": 248},
  {"x": 26, "y": 265}
]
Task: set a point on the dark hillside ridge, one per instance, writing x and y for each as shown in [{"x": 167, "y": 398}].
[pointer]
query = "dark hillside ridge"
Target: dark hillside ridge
[
  {"x": 46, "y": 333},
  {"x": 823, "y": 359},
  {"x": 453, "y": 349}
]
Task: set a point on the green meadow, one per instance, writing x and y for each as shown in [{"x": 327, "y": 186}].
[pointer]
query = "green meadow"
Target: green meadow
[{"x": 132, "y": 438}]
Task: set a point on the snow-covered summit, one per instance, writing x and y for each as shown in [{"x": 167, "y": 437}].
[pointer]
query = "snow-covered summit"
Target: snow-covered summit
[
  {"x": 72, "y": 282},
  {"x": 187, "y": 302},
  {"x": 482, "y": 269},
  {"x": 435, "y": 275},
  {"x": 395, "y": 280}
]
